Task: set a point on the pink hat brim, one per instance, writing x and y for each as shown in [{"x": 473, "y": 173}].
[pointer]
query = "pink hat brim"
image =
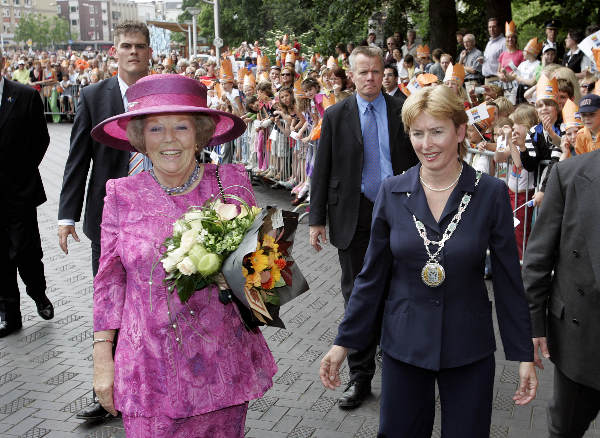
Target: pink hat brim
[{"x": 113, "y": 131}]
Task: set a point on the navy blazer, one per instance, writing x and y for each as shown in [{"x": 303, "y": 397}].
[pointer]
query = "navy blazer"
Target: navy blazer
[{"x": 451, "y": 325}]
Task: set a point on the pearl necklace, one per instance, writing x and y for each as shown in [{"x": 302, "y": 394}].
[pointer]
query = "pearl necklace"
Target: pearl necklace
[
  {"x": 179, "y": 189},
  {"x": 445, "y": 188}
]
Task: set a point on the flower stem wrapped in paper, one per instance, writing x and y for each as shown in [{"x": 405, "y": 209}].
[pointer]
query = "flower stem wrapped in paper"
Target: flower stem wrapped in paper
[{"x": 262, "y": 273}]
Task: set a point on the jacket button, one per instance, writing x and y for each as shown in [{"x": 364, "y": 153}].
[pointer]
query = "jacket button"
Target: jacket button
[
  {"x": 575, "y": 321},
  {"x": 576, "y": 253},
  {"x": 580, "y": 291}
]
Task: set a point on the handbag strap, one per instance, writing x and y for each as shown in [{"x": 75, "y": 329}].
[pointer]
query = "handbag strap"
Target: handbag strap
[{"x": 221, "y": 192}]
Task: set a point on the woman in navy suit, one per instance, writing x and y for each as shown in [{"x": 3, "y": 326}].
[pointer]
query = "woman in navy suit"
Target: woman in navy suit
[{"x": 422, "y": 285}]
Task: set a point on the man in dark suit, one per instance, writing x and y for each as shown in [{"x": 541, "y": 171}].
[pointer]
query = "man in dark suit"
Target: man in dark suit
[
  {"x": 96, "y": 103},
  {"x": 23, "y": 142},
  {"x": 362, "y": 143},
  {"x": 390, "y": 83},
  {"x": 561, "y": 272}
]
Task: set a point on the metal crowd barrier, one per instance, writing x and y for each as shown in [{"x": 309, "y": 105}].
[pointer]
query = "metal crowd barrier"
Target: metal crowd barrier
[
  {"x": 524, "y": 211},
  {"x": 60, "y": 104}
]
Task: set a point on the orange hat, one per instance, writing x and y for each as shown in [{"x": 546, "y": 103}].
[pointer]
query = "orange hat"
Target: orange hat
[
  {"x": 596, "y": 53},
  {"x": 546, "y": 88},
  {"x": 290, "y": 57},
  {"x": 332, "y": 63},
  {"x": 510, "y": 28},
  {"x": 423, "y": 51},
  {"x": 249, "y": 80},
  {"x": 533, "y": 46},
  {"x": 263, "y": 61},
  {"x": 597, "y": 88},
  {"x": 425, "y": 79},
  {"x": 226, "y": 74},
  {"x": 240, "y": 75},
  {"x": 404, "y": 89},
  {"x": 298, "y": 91},
  {"x": 328, "y": 100},
  {"x": 219, "y": 90},
  {"x": 263, "y": 76},
  {"x": 455, "y": 73},
  {"x": 571, "y": 115}
]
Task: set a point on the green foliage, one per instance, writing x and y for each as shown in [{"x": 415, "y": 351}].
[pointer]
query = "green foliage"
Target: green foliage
[{"x": 43, "y": 31}]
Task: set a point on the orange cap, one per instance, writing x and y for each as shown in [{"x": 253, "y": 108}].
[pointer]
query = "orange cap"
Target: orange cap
[
  {"x": 226, "y": 73},
  {"x": 249, "y": 80},
  {"x": 298, "y": 91},
  {"x": 423, "y": 51},
  {"x": 290, "y": 57},
  {"x": 455, "y": 73},
  {"x": 510, "y": 28},
  {"x": 533, "y": 46},
  {"x": 425, "y": 79},
  {"x": 263, "y": 76},
  {"x": 546, "y": 88},
  {"x": 263, "y": 61},
  {"x": 571, "y": 115}
]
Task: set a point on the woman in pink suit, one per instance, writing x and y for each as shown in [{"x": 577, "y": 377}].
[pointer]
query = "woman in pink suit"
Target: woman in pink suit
[{"x": 179, "y": 370}]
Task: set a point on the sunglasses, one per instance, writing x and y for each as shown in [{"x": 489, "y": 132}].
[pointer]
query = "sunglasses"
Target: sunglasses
[{"x": 286, "y": 74}]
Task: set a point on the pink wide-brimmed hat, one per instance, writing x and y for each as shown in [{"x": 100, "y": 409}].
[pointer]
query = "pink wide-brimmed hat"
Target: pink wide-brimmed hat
[{"x": 162, "y": 94}]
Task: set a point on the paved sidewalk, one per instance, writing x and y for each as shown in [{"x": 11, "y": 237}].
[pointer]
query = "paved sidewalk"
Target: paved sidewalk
[{"x": 46, "y": 369}]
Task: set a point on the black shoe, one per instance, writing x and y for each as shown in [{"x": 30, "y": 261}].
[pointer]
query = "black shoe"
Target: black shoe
[
  {"x": 7, "y": 328},
  {"x": 94, "y": 411},
  {"x": 44, "y": 307},
  {"x": 354, "y": 395}
]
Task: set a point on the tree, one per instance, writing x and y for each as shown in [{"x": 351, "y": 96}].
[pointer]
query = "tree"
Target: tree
[
  {"x": 442, "y": 21},
  {"x": 42, "y": 31}
]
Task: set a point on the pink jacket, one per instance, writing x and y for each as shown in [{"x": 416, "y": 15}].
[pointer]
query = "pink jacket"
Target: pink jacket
[{"x": 171, "y": 359}]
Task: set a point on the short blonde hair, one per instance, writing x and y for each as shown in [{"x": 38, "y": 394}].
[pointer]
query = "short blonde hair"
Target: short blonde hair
[
  {"x": 504, "y": 105},
  {"x": 525, "y": 115},
  {"x": 204, "y": 124},
  {"x": 438, "y": 102}
]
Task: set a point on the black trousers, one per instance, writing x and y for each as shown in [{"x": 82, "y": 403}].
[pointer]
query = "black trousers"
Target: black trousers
[
  {"x": 20, "y": 251},
  {"x": 573, "y": 407},
  {"x": 361, "y": 363},
  {"x": 407, "y": 407}
]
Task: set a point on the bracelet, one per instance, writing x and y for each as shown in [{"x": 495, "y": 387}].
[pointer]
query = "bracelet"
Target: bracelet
[{"x": 95, "y": 341}]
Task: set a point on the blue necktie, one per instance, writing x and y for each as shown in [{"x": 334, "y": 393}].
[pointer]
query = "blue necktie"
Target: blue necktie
[{"x": 371, "y": 166}]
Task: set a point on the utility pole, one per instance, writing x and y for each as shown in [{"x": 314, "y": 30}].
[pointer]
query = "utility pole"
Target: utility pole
[
  {"x": 218, "y": 41},
  {"x": 194, "y": 12}
]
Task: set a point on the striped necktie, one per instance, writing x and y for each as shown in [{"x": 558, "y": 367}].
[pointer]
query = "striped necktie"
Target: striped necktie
[
  {"x": 371, "y": 165},
  {"x": 136, "y": 163}
]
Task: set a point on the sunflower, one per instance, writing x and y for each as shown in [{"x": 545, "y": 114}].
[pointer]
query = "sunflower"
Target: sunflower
[{"x": 259, "y": 261}]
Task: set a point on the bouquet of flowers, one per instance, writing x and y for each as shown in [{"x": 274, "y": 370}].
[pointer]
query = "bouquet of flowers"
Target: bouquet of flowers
[
  {"x": 201, "y": 239},
  {"x": 249, "y": 246}
]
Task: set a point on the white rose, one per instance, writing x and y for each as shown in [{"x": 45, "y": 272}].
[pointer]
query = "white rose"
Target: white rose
[
  {"x": 187, "y": 267},
  {"x": 169, "y": 264},
  {"x": 173, "y": 257},
  {"x": 188, "y": 239},
  {"x": 193, "y": 215},
  {"x": 226, "y": 211},
  {"x": 179, "y": 227},
  {"x": 196, "y": 225}
]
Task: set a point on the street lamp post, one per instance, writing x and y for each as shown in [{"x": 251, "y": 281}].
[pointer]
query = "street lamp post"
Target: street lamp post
[
  {"x": 189, "y": 34},
  {"x": 194, "y": 12},
  {"x": 218, "y": 42}
]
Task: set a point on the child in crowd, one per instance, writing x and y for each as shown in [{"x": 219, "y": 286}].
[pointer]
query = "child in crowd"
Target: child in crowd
[{"x": 588, "y": 139}]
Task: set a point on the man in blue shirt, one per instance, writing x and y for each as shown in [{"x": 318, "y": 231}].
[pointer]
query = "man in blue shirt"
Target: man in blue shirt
[{"x": 362, "y": 143}]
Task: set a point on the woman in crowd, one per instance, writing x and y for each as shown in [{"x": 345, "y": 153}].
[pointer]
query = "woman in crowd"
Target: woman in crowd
[
  {"x": 180, "y": 370},
  {"x": 437, "y": 320},
  {"x": 509, "y": 60},
  {"x": 339, "y": 82},
  {"x": 525, "y": 74}
]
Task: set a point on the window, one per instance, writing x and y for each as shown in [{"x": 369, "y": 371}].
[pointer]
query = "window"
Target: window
[
  {"x": 104, "y": 23},
  {"x": 17, "y": 2},
  {"x": 6, "y": 12},
  {"x": 4, "y": 2},
  {"x": 17, "y": 13},
  {"x": 91, "y": 9},
  {"x": 73, "y": 8},
  {"x": 74, "y": 22},
  {"x": 92, "y": 22}
]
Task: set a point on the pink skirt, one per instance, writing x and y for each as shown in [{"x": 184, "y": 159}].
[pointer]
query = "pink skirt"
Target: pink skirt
[{"x": 224, "y": 423}]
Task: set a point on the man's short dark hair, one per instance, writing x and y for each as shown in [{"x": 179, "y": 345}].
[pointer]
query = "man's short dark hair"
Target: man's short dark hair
[
  {"x": 128, "y": 27},
  {"x": 391, "y": 67},
  {"x": 576, "y": 35},
  {"x": 493, "y": 19}
]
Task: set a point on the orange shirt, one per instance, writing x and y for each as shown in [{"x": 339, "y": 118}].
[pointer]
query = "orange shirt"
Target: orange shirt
[{"x": 585, "y": 143}]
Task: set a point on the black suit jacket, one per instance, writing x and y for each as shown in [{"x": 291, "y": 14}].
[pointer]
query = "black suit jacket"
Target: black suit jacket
[
  {"x": 23, "y": 143},
  {"x": 561, "y": 268},
  {"x": 96, "y": 103},
  {"x": 337, "y": 174}
]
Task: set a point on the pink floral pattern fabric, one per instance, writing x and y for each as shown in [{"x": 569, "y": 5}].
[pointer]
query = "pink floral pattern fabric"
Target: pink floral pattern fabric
[
  {"x": 224, "y": 423},
  {"x": 172, "y": 359}
]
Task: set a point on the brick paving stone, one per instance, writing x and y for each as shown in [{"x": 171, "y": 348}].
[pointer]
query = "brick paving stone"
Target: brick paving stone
[{"x": 46, "y": 368}]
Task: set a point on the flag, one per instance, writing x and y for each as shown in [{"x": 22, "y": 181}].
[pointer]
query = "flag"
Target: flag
[{"x": 478, "y": 114}]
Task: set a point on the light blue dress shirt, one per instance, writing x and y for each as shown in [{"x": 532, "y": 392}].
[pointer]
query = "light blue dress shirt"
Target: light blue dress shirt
[{"x": 385, "y": 157}]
